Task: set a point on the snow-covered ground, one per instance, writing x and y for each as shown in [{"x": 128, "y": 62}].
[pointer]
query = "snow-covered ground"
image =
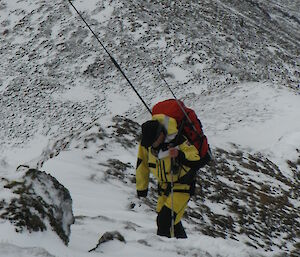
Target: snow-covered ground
[{"x": 258, "y": 117}]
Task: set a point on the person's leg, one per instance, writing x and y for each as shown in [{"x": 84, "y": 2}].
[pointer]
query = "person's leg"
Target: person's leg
[
  {"x": 164, "y": 214},
  {"x": 180, "y": 201},
  {"x": 179, "y": 231},
  {"x": 164, "y": 222}
]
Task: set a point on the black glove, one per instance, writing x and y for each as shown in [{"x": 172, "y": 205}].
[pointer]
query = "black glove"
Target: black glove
[{"x": 142, "y": 193}]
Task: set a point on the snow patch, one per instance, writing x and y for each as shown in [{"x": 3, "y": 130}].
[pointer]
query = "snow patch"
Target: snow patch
[
  {"x": 179, "y": 73},
  {"x": 78, "y": 93}
]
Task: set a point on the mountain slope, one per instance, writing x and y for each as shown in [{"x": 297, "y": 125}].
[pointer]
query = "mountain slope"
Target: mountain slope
[
  {"x": 48, "y": 55},
  {"x": 235, "y": 62},
  {"x": 243, "y": 199}
]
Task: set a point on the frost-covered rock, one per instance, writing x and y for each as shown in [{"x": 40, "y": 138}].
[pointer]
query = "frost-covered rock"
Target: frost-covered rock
[
  {"x": 38, "y": 202},
  {"x": 109, "y": 236}
]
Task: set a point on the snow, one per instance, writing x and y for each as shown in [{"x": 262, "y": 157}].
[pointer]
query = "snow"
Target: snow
[
  {"x": 179, "y": 74},
  {"x": 24, "y": 155},
  {"x": 78, "y": 93},
  {"x": 118, "y": 104},
  {"x": 257, "y": 116},
  {"x": 93, "y": 5},
  {"x": 10, "y": 250}
]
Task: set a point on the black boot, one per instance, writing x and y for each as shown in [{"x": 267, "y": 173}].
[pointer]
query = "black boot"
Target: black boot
[{"x": 179, "y": 231}]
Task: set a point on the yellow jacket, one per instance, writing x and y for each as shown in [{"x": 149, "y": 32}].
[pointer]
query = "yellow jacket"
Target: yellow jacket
[{"x": 160, "y": 166}]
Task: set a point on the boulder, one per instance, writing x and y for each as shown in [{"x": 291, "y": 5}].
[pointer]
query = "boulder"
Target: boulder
[{"x": 38, "y": 203}]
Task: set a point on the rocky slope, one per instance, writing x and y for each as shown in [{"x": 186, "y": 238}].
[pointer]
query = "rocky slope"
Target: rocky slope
[{"x": 48, "y": 54}]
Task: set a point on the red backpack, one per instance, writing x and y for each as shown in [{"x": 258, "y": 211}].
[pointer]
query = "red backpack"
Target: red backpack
[{"x": 193, "y": 132}]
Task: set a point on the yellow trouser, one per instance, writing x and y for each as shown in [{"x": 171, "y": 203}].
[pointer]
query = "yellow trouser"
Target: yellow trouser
[{"x": 180, "y": 201}]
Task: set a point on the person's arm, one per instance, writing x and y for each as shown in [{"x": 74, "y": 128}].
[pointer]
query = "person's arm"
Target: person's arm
[
  {"x": 142, "y": 172},
  {"x": 188, "y": 155}
]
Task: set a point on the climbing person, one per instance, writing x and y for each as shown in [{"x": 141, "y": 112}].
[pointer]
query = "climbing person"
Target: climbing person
[{"x": 165, "y": 152}]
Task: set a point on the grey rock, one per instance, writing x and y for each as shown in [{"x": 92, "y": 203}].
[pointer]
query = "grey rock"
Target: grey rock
[
  {"x": 109, "y": 236},
  {"x": 39, "y": 199}
]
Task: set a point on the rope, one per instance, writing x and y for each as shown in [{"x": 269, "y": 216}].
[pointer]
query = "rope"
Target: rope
[{"x": 111, "y": 57}]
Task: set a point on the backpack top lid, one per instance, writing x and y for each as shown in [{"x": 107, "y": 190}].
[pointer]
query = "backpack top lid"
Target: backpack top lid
[{"x": 170, "y": 108}]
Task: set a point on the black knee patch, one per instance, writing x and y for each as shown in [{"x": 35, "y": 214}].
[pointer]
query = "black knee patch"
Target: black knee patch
[{"x": 164, "y": 222}]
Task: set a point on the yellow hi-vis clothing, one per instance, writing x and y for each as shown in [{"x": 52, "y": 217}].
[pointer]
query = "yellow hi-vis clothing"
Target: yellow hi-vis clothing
[{"x": 160, "y": 166}]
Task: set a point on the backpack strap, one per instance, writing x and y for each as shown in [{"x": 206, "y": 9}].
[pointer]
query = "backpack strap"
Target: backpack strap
[{"x": 176, "y": 140}]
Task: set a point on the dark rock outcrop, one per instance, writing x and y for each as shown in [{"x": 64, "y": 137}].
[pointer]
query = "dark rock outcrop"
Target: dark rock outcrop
[{"x": 39, "y": 202}]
